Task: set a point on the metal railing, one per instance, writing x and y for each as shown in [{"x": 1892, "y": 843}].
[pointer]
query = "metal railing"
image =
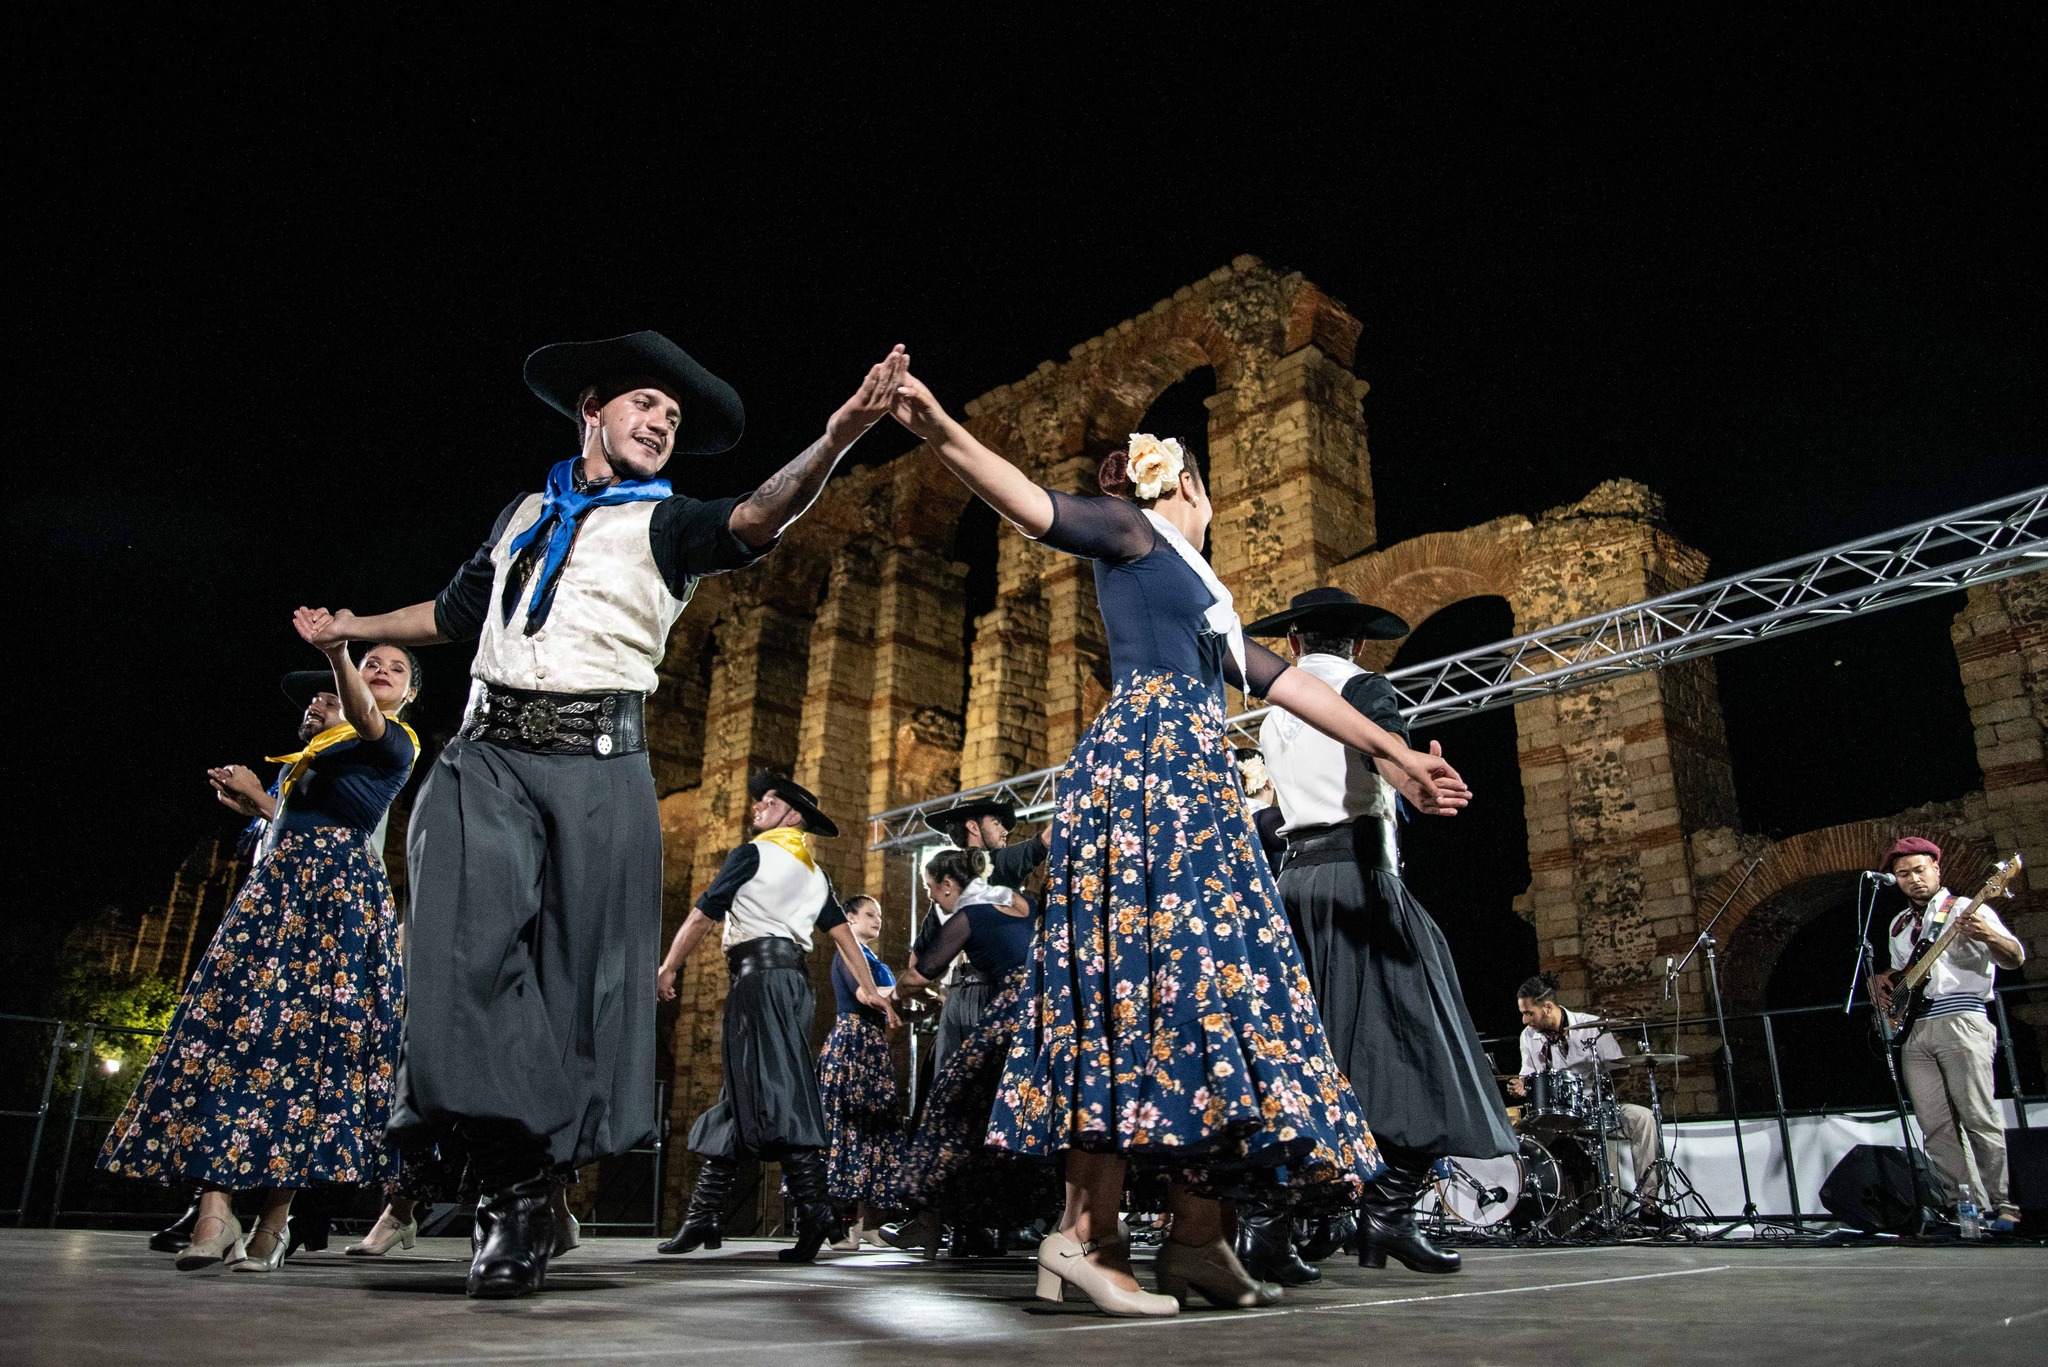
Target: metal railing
[{"x": 1975, "y": 546}]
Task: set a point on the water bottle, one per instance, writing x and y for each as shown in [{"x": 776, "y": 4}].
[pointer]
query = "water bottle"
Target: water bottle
[{"x": 1966, "y": 1214}]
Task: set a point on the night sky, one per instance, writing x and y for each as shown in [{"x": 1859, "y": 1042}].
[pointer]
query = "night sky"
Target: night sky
[{"x": 275, "y": 287}]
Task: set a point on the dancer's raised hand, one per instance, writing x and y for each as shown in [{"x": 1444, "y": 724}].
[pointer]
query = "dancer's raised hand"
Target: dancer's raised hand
[
  {"x": 323, "y": 630},
  {"x": 875, "y": 396},
  {"x": 914, "y": 406},
  {"x": 1429, "y": 782}
]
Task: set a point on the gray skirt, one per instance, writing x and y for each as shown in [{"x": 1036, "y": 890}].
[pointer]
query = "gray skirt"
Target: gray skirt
[
  {"x": 1395, "y": 1015},
  {"x": 768, "y": 1103}
]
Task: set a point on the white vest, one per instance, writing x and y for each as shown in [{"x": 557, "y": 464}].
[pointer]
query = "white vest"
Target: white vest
[
  {"x": 611, "y": 616},
  {"x": 1320, "y": 781},
  {"x": 782, "y": 898}
]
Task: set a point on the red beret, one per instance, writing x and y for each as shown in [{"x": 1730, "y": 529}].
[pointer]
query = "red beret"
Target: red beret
[{"x": 1912, "y": 844}]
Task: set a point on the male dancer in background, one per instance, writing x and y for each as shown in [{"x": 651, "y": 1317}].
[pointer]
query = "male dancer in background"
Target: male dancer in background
[
  {"x": 1380, "y": 967},
  {"x": 535, "y": 847}
]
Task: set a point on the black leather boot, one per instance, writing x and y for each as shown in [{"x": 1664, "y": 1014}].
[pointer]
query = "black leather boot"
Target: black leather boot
[
  {"x": 704, "y": 1221},
  {"x": 173, "y": 1237},
  {"x": 1265, "y": 1245},
  {"x": 515, "y": 1231},
  {"x": 1325, "y": 1237},
  {"x": 803, "y": 1172},
  {"x": 1387, "y": 1225}
]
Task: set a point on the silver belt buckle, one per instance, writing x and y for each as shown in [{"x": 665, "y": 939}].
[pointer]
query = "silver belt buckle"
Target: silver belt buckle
[{"x": 537, "y": 721}]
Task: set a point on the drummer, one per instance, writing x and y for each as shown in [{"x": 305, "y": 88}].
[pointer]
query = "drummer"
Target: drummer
[{"x": 1555, "y": 1040}]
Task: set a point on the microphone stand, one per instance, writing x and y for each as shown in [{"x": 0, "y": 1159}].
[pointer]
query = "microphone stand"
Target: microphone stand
[
  {"x": 1706, "y": 940},
  {"x": 1916, "y": 1155}
]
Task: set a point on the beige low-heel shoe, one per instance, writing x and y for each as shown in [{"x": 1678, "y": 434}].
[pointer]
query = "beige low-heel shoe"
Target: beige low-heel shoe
[
  {"x": 224, "y": 1247},
  {"x": 1214, "y": 1271},
  {"x": 1063, "y": 1263},
  {"x": 383, "y": 1236},
  {"x": 271, "y": 1259}
]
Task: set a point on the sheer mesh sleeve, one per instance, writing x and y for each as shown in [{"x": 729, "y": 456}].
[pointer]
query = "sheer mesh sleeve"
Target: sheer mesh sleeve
[
  {"x": 944, "y": 948},
  {"x": 1264, "y": 665},
  {"x": 1101, "y": 528}
]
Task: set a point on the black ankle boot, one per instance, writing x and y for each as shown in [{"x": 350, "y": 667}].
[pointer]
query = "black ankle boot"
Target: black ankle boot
[
  {"x": 515, "y": 1231},
  {"x": 1325, "y": 1236},
  {"x": 704, "y": 1222},
  {"x": 803, "y": 1172},
  {"x": 1387, "y": 1225},
  {"x": 173, "y": 1237},
  {"x": 1265, "y": 1245}
]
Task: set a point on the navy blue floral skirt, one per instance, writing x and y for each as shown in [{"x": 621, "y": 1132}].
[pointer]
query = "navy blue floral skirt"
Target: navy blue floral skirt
[
  {"x": 950, "y": 1167},
  {"x": 857, "y": 1084},
  {"x": 1166, "y": 1014},
  {"x": 276, "y": 1070}
]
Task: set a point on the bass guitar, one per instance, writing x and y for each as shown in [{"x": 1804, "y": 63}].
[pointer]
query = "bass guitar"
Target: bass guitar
[{"x": 1909, "y": 992}]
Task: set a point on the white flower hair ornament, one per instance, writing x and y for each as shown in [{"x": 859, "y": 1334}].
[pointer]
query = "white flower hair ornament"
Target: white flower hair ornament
[
  {"x": 1252, "y": 770},
  {"x": 1154, "y": 466}
]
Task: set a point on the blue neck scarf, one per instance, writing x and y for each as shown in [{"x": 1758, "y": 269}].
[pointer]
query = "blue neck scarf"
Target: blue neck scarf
[{"x": 563, "y": 506}]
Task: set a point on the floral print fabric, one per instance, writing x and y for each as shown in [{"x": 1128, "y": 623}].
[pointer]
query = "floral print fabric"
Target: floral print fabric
[
  {"x": 1166, "y": 1014},
  {"x": 857, "y": 1084},
  {"x": 949, "y": 1166},
  {"x": 276, "y": 1070}
]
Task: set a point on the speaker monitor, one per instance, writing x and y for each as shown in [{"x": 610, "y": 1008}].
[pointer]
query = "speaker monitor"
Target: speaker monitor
[{"x": 1870, "y": 1190}]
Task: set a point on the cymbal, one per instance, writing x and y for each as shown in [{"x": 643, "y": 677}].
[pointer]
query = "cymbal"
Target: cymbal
[
  {"x": 1614, "y": 1023},
  {"x": 1622, "y": 1065}
]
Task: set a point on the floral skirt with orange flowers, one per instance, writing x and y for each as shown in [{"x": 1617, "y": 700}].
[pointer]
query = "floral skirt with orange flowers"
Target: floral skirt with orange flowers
[
  {"x": 1167, "y": 1017},
  {"x": 276, "y": 1070}
]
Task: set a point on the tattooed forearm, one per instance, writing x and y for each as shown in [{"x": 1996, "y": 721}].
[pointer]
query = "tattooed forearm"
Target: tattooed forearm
[{"x": 784, "y": 496}]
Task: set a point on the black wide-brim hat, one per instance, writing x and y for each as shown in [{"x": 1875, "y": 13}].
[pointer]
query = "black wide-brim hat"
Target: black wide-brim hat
[
  {"x": 1002, "y": 809},
  {"x": 712, "y": 415},
  {"x": 302, "y": 684},
  {"x": 796, "y": 795},
  {"x": 1334, "y": 612}
]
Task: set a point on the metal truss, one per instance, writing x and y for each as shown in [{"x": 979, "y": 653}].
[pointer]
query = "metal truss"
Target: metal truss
[{"x": 1975, "y": 546}]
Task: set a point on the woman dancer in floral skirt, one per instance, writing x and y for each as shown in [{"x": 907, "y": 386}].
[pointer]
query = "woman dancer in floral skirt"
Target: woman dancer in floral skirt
[
  {"x": 857, "y": 1083},
  {"x": 1168, "y": 1021}
]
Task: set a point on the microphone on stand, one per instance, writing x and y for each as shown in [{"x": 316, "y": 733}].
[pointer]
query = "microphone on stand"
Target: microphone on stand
[{"x": 1885, "y": 879}]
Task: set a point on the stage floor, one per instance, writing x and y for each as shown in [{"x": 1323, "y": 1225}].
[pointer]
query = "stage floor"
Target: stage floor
[{"x": 73, "y": 1296}]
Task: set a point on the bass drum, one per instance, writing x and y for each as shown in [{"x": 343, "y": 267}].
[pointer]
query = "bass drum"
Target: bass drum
[{"x": 1539, "y": 1188}]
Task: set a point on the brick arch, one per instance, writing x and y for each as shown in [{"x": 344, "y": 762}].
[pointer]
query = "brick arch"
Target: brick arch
[
  {"x": 1780, "y": 896},
  {"x": 1420, "y": 577}
]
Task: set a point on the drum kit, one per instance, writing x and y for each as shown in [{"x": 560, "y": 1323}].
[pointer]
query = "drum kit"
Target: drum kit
[{"x": 1560, "y": 1184}]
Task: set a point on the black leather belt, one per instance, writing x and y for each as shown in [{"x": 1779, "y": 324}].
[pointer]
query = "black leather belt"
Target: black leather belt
[
  {"x": 972, "y": 977},
  {"x": 1368, "y": 842},
  {"x": 606, "y": 725},
  {"x": 770, "y": 951}
]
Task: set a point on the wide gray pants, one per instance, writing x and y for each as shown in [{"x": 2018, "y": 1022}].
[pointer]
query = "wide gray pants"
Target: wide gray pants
[
  {"x": 533, "y": 926},
  {"x": 1947, "y": 1067}
]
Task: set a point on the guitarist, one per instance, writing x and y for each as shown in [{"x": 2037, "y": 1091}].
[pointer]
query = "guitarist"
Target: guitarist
[{"x": 1947, "y": 1056}]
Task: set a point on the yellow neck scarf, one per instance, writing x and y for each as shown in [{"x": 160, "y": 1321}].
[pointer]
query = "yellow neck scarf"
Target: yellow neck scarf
[
  {"x": 302, "y": 760},
  {"x": 792, "y": 839}
]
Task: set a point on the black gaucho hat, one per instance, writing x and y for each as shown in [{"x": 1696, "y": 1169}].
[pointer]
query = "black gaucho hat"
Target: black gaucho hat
[
  {"x": 712, "y": 415},
  {"x": 302, "y": 684},
  {"x": 959, "y": 814},
  {"x": 1332, "y": 611},
  {"x": 796, "y": 795}
]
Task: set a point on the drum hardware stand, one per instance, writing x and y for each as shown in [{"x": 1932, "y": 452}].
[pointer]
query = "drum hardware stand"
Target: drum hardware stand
[
  {"x": 1916, "y": 1156},
  {"x": 1674, "y": 1187},
  {"x": 1705, "y": 939}
]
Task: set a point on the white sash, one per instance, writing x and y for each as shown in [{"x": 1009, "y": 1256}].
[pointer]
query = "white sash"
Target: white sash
[{"x": 1222, "y": 615}]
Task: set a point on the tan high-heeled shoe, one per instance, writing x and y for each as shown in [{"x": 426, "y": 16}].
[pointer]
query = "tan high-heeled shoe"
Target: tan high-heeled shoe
[
  {"x": 383, "y": 1235},
  {"x": 225, "y": 1246},
  {"x": 1213, "y": 1270},
  {"x": 1063, "y": 1263},
  {"x": 271, "y": 1259}
]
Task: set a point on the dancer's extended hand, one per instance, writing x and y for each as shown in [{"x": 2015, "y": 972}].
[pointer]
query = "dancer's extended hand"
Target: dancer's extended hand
[
  {"x": 1430, "y": 783},
  {"x": 915, "y": 407},
  {"x": 876, "y": 394},
  {"x": 323, "y": 630},
  {"x": 880, "y": 1001},
  {"x": 665, "y": 983},
  {"x": 236, "y": 787}
]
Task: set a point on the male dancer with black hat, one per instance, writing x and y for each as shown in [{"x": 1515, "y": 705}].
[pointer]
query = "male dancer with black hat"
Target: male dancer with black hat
[
  {"x": 1382, "y": 972},
  {"x": 535, "y": 847},
  {"x": 768, "y": 896},
  {"x": 976, "y": 824}
]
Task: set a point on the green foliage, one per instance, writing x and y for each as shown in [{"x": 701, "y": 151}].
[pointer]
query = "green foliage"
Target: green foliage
[{"x": 103, "y": 998}]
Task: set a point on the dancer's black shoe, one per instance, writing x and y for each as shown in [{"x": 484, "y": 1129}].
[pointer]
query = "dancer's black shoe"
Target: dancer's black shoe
[
  {"x": 803, "y": 1171},
  {"x": 704, "y": 1222},
  {"x": 173, "y": 1237},
  {"x": 516, "y": 1233},
  {"x": 1265, "y": 1245},
  {"x": 1325, "y": 1237},
  {"x": 1387, "y": 1228}
]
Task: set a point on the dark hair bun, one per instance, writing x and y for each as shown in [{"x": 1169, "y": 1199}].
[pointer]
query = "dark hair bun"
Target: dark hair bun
[
  {"x": 962, "y": 866},
  {"x": 1114, "y": 475}
]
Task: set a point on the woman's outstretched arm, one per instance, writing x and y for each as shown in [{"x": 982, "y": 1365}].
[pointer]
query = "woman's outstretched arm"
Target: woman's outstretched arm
[
  {"x": 1424, "y": 779},
  {"x": 998, "y": 483}
]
